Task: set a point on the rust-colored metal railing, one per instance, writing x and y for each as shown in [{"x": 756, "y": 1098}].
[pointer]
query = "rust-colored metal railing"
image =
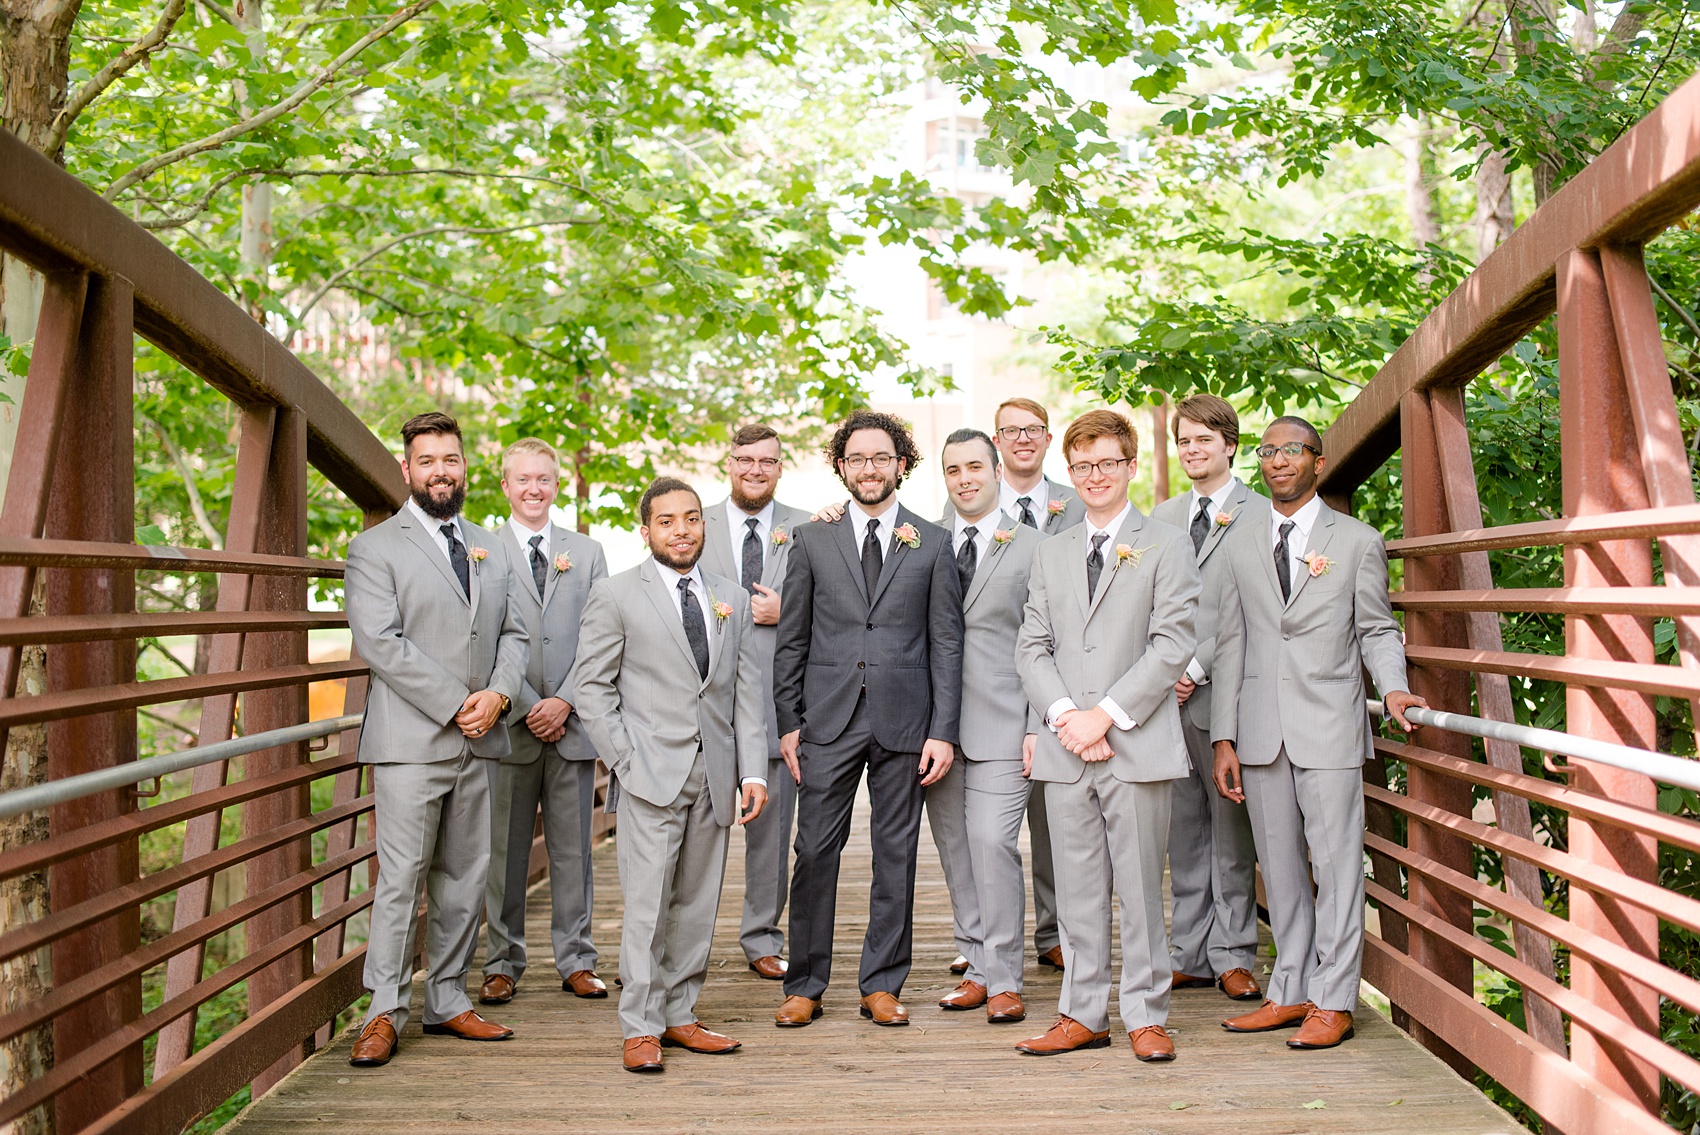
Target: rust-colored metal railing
[{"x": 1591, "y": 1057}]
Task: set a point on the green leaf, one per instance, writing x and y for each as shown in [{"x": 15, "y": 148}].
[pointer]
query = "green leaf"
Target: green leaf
[{"x": 1314, "y": 1105}]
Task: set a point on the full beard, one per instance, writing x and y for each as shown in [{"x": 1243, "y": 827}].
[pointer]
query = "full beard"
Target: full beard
[
  {"x": 440, "y": 510},
  {"x": 879, "y": 494},
  {"x": 664, "y": 555},
  {"x": 753, "y": 505}
]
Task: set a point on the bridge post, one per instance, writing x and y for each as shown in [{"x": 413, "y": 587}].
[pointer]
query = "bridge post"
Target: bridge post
[{"x": 1603, "y": 473}]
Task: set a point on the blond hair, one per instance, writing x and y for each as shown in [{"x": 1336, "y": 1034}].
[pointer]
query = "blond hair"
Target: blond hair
[{"x": 530, "y": 445}]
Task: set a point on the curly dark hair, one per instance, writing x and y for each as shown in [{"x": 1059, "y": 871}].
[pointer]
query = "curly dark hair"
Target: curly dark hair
[{"x": 895, "y": 428}]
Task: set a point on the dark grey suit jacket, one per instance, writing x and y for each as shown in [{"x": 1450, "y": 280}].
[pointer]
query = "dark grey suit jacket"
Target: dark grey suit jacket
[{"x": 904, "y": 642}]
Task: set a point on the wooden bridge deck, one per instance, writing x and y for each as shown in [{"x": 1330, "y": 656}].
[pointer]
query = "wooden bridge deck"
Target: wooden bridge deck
[{"x": 945, "y": 1072}]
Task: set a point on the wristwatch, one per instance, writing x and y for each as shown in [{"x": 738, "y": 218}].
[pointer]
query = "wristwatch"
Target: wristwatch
[{"x": 507, "y": 702}]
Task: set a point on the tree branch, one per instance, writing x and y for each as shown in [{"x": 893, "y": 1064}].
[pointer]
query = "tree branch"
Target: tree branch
[
  {"x": 196, "y": 505},
  {"x": 324, "y": 77},
  {"x": 219, "y": 10},
  {"x": 116, "y": 68}
]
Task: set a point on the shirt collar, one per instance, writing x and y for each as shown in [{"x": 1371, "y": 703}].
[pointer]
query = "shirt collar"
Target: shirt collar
[
  {"x": 432, "y": 523},
  {"x": 1040, "y": 494},
  {"x": 1218, "y": 499},
  {"x": 523, "y": 534},
  {"x": 983, "y": 527},
  {"x": 763, "y": 519},
  {"x": 1303, "y": 520},
  {"x": 1114, "y": 525},
  {"x": 861, "y": 518},
  {"x": 670, "y": 577}
]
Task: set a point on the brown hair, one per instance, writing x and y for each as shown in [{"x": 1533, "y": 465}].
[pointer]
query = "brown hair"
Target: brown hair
[
  {"x": 752, "y": 432},
  {"x": 532, "y": 445},
  {"x": 1094, "y": 424},
  {"x": 1027, "y": 404},
  {"x": 431, "y": 422},
  {"x": 894, "y": 427},
  {"x": 660, "y": 487},
  {"x": 1213, "y": 413}
]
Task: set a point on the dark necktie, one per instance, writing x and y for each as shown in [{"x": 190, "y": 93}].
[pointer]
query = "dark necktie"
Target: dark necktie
[
  {"x": 457, "y": 557},
  {"x": 752, "y": 556},
  {"x": 1095, "y": 563},
  {"x": 696, "y": 632},
  {"x": 1284, "y": 562},
  {"x": 538, "y": 567},
  {"x": 872, "y": 561},
  {"x": 1026, "y": 504},
  {"x": 1201, "y": 524},
  {"x": 967, "y": 557}
]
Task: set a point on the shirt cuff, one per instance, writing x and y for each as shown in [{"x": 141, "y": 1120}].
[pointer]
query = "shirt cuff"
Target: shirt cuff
[
  {"x": 1122, "y": 720},
  {"x": 1058, "y": 708},
  {"x": 761, "y": 780},
  {"x": 1197, "y": 674}
]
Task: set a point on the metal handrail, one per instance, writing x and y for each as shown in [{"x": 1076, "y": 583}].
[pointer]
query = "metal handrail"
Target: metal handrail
[
  {"x": 38, "y": 796},
  {"x": 1662, "y": 767}
]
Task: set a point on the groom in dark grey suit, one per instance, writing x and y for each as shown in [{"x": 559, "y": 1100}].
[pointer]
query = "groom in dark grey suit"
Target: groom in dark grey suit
[{"x": 867, "y": 673}]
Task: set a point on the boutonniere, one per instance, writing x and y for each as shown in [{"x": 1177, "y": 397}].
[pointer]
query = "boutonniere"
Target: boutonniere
[
  {"x": 781, "y": 537},
  {"x": 563, "y": 564},
  {"x": 1130, "y": 555},
  {"x": 722, "y": 611},
  {"x": 1002, "y": 536},
  {"x": 1223, "y": 519},
  {"x": 477, "y": 555},
  {"x": 906, "y": 534},
  {"x": 1057, "y": 506},
  {"x": 1318, "y": 563}
]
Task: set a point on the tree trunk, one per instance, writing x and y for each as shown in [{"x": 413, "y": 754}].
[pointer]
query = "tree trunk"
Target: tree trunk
[
  {"x": 35, "y": 41},
  {"x": 257, "y": 194},
  {"x": 1495, "y": 217},
  {"x": 1419, "y": 194}
]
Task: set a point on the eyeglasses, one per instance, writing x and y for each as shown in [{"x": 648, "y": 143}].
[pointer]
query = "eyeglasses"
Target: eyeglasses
[
  {"x": 744, "y": 464},
  {"x": 856, "y": 461},
  {"x": 1291, "y": 449},
  {"x": 1031, "y": 433},
  {"x": 1084, "y": 469}
]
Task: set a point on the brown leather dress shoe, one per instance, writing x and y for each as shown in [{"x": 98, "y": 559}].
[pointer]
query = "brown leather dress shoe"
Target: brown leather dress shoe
[
  {"x": 884, "y": 1009},
  {"x": 1066, "y": 1035},
  {"x": 1323, "y": 1028},
  {"x": 1005, "y": 1009},
  {"x": 698, "y": 1039},
  {"x": 1239, "y": 985},
  {"x": 642, "y": 1054},
  {"x": 584, "y": 983},
  {"x": 968, "y": 995},
  {"x": 1179, "y": 980},
  {"x": 376, "y": 1044},
  {"x": 1152, "y": 1044},
  {"x": 1268, "y": 1016},
  {"x": 470, "y": 1026},
  {"x": 498, "y": 989},
  {"x": 1053, "y": 958},
  {"x": 959, "y": 966},
  {"x": 771, "y": 967},
  {"x": 796, "y": 1012}
]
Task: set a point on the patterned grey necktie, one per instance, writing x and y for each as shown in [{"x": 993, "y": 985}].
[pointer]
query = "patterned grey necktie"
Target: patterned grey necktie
[
  {"x": 1095, "y": 563},
  {"x": 967, "y": 557},
  {"x": 1201, "y": 524},
  {"x": 696, "y": 631},
  {"x": 539, "y": 568},
  {"x": 457, "y": 558},
  {"x": 1284, "y": 561},
  {"x": 752, "y": 556},
  {"x": 1026, "y": 504}
]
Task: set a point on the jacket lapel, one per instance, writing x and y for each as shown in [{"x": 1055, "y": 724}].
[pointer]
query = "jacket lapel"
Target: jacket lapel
[
  {"x": 473, "y": 573},
  {"x": 1127, "y": 534},
  {"x": 427, "y": 544},
  {"x": 1053, "y": 520},
  {"x": 893, "y": 557},
  {"x": 650, "y": 574},
  {"x": 1321, "y": 532},
  {"x": 1078, "y": 544},
  {"x": 551, "y": 577},
  {"x": 846, "y": 541},
  {"x": 987, "y": 566},
  {"x": 773, "y": 574},
  {"x": 717, "y": 548},
  {"x": 1213, "y": 539}
]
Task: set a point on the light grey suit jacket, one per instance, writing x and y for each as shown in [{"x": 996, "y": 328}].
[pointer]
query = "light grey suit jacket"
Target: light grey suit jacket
[
  {"x": 552, "y": 624},
  {"x": 1177, "y": 511},
  {"x": 635, "y": 683},
  {"x": 1050, "y": 523},
  {"x": 1292, "y": 674},
  {"x": 428, "y": 644},
  {"x": 1130, "y": 642},
  {"x": 722, "y": 557},
  {"x": 995, "y": 714}
]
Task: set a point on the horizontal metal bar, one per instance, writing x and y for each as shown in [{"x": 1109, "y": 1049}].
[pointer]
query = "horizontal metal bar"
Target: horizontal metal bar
[
  {"x": 129, "y": 695},
  {"x": 1638, "y": 524},
  {"x": 1661, "y": 767},
  {"x": 1651, "y": 602},
  {"x": 48, "y": 629},
  {"x": 16, "y": 550},
  {"x": 1598, "y": 673}
]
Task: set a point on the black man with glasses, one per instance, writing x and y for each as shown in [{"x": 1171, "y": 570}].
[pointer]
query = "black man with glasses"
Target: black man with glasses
[{"x": 747, "y": 537}]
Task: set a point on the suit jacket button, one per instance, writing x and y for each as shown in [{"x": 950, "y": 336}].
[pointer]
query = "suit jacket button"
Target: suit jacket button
[
  {"x": 545, "y": 642},
  {"x": 861, "y": 665},
  {"x": 1089, "y": 650},
  {"x": 1285, "y": 636},
  {"x": 474, "y": 634},
  {"x": 870, "y": 626}
]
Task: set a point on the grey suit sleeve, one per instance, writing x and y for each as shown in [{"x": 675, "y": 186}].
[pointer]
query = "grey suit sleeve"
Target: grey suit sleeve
[
  {"x": 944, "y": 657},
  {"x": 1230, "y": 661},
  {"x": 596, "y": 668},
  {"x": 1035, "y": 648},
  {"x": 1205, "y": 652},
  {"x": 374, "y": 618},
  {"x": 791, "y": 643},
  {"x": 749, "y": 720},
  {"x": 1379, "y": 638},
  {"x": 1170, "y": 641},
  {"x": 513, "y": 649}
]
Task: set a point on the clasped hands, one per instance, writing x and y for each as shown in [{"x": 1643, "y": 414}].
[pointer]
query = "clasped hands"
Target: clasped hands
[
  {"x": 1083, "y": 733},
  {"x": 478, "y": 712}
]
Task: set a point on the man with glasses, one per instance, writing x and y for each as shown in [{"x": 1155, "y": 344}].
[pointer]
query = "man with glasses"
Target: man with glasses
[
  {"x": 748, "y": 539},
  {"x": 867, "y": 674},
  {"x": 1305, "y": 611},
  {"x": 1107, "y": 633}
]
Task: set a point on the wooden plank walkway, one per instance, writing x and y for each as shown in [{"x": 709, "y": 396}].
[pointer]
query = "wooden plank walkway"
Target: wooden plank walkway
[{"x": 945, "y": 1072}]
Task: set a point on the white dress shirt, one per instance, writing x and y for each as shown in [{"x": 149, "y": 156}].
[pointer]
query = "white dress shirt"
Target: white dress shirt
[
  {"x": 669, "y": 581},
  {"x": 1108, "y": 705},
  {"x": 1299, "y": 539},
  {"x": 523, "y": 534},
  {"x": 737, "y": 528},
  {"x": 983, "y": 529},
  {"x": 1218, "y": 500},
  {"x": 883, "y": 524},
  {"x": 1009, "y": 500},
  {"x": 435, "y": 528}
]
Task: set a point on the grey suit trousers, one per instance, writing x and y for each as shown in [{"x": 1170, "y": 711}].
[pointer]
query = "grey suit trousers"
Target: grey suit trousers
[
  {"x": 1045, "y": 936},
  {"x": 436, "y": 833},
  {"x": 947, "y": 816},
  {"x": 566, "y": 791},
  {"x": 672, "y": 863},
  {"x": 1213, "y": 920},
  {"x": 767, "y": 866},
  {"x": 996, "y": 797},
  {"x": 1311, "y": 821},
  {"x": 1113, "y": 835}
]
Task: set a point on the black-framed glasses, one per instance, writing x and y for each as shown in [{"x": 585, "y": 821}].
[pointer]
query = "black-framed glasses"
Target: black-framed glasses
[
  {"x": 1031, "y": 433},
  {"x": 745, "y": 464},
  {"x": 1084, "y": 469},
  {"x": 1291, "y": 449},
  {"x": 856, "y": 461}
]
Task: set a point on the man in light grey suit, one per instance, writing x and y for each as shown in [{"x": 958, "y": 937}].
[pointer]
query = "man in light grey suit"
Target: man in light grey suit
[
  {"x": 552, "y": 764},
  {"x": 437, "y": 619},
  {"x": 748, "y": 538},
  {"x": 1306, "y": 612},
  {"x": 987, "y": 785},
  {"x": 1107, "y": 632},
  {"x": 1023, "y": 433},
  {"x": 1212, "y": 863},
  {"x": 668, "y": 684}
]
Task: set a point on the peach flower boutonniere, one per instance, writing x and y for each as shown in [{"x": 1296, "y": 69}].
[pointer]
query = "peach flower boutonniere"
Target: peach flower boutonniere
[
  {"x": 906, "y": 534},
  {"x": 1057, "y": 506},
  {"x": 477, "y": 555},
  {"x": 1130, "y": 555},
  {"x": 1002, "y": 536},
  {"x": 1223, "y": 519},
  {"x": 1318, "y": 563},
  {"x": 781, "y": 537},
  {"x": 563, "y": 564}
]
